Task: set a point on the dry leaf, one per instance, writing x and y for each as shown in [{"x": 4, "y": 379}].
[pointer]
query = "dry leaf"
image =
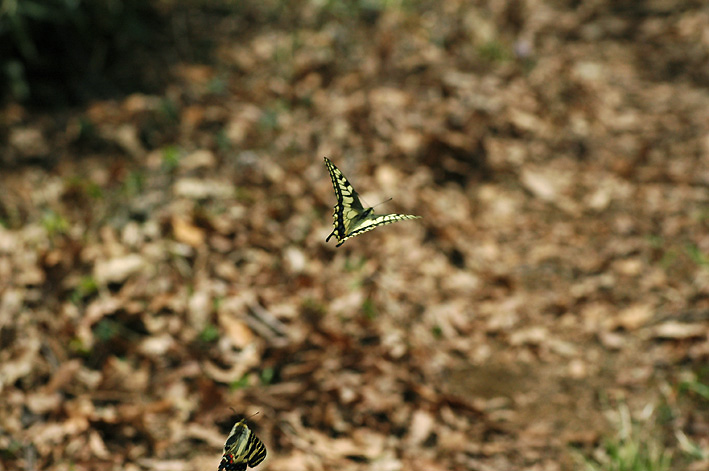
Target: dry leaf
[
  {"x": 678, "y": 330},
  {"x": 117, "y": 270},
  {"x": 634, "y": 317}
]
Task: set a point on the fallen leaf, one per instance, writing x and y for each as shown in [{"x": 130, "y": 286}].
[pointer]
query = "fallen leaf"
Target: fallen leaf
[
  {"x": 201, "y": 158},
  {"x": 116, "y": 270},
  {"x": 187, "y": 233},
  {"x": 634, "y": 317},
  {"x": 678, "y": 330},
  {"x": 421, "y": 427}
]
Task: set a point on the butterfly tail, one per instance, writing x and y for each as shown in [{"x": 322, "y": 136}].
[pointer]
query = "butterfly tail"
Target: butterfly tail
[{"x": 228, "y": 464}]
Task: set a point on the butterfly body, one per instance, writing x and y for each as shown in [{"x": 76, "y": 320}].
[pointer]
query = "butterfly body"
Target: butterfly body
[
  {"x": 242, "y": 448},
  {"x": 350, "y": 218}
]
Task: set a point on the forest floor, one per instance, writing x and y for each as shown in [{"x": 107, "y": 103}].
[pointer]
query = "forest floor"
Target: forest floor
[{"x": 164, "y": 271}]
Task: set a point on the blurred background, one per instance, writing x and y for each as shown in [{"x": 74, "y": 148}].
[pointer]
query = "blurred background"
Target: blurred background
[{"x": 164, "y": 207}]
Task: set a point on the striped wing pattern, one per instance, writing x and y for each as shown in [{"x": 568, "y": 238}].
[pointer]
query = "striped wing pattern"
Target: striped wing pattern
[
  {"x": 373, "y": 221},
  {"x": 242, "y": 448},
  {"x": 350, "y": 219}
]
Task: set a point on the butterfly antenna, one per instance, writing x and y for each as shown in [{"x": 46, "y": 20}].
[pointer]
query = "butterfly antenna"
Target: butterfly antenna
[
  {"x": 246, "y": 418},
  {"x": 385, "y": 201}
]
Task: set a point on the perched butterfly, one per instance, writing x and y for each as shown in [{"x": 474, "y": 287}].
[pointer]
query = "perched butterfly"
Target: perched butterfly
[
  {"x": 350, "y": 218},
  {"x": 242, "y": 448}
]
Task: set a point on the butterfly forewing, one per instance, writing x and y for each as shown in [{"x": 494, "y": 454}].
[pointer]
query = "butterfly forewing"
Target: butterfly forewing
[
  {"x": 348, "y": 204},
  {"x": 242, "y": 448},
  {"x": 344, "y": 191},
  {"x": 349, "y": 217}
]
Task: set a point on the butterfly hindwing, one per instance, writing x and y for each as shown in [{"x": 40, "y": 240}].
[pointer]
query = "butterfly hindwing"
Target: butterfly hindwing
[
  {"x": 349, "y": 216},
  {"x": 242, "y": 448},
  {"x": 256, "y": 451},
  {"x": 373, "y": 221},
  {"x": 228, "y": 465}
]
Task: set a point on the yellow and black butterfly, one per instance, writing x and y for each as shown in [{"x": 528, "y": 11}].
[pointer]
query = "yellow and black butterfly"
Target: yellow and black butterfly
[
  {"x": 350, "y": 218},
  {"x": 242, "y": 448}
]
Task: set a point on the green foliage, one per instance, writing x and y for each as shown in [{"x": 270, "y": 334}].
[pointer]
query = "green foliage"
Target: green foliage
[
  {"x": 78, "y": 347},
  {"x": 634, "y": 455},
  {"x": 693, "y": 384},
  {"x": 217, "y": 302},
  {"x": 54, "y": 223},
  {"x": 170, "y": 158},
  {"x": 312, "y": 307},
  {"x": 669, "y": 257},
  {"x": 437, "y": 332},
  {"x": 267, "y": 376},
  {"x": 223, "y": 142},
  {"x": 16, "y": 79},
  {"x": 692, "y": 450},
  {"x": 702, "y": 215},
  {"x": 696, "y": 387},
  {"x": 106, "y": 330},
  {"x": 368, "y": 309},
  {"x": 697, "y": 255},
  {"x": 243, "y": 195},
  {"x": 134, "y": 183},
  {"x": 87, "y": 130},
  {"x": 269, "y": 119},
  {"x": 84, "y": 187},
  {"x": 12, "y": 449},
  {"x": 169, "y": 111},
  {"x": 692, "y": 393},
  {"x": 87, "y": 287},
  {"x": 671, "y": 253},
  {"x": 209, "y": 334},
  {"x": 218, "y": 86},
  {"x": 241, "y": 383},
  {"x": 636, "y": 446},
  {"x": 655, "y": 241},
  {"x": 495, "y": 51}
]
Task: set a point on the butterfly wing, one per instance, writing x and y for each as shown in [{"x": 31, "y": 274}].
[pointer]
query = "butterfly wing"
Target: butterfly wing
[
  {"x": 227, "y": 464},
  {"x": 348, "y": 207},
  {"x": 372, "y": 221},
  {"x": 350, "y": 219},
  {"x": 255, "y": 451},
  {"x": 242, "y": 448}
]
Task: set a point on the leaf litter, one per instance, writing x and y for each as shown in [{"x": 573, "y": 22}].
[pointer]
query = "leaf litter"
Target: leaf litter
[{"x": 561, "y": 171}]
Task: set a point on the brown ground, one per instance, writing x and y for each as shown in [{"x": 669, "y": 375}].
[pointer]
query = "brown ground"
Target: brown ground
[{"x": 163, "y": 257}]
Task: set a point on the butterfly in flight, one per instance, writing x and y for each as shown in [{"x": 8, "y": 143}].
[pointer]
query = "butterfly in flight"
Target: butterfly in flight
[
  {"x": 350, "y": 219},
  {"x": 242, "y": 448}
]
